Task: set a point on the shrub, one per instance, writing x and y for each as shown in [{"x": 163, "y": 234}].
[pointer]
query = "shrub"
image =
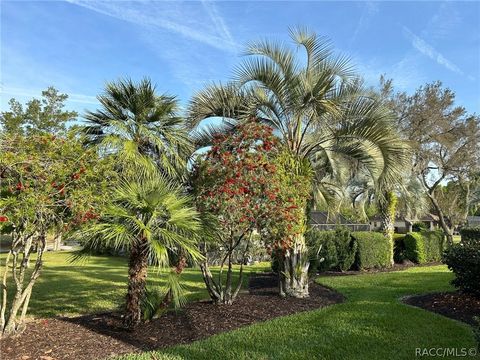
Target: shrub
[
  {"x": 414, "y": 248},
  {"x": 373, "y": 250},
  {"x": 470, "y": 235},
  {"x": 331, "y": 250},
  {"x": 424, "y": 247},
  {"x": 434, "y": 245},
  {"x": 346, "y": 249},
  {"x": 464, "y": 260}
]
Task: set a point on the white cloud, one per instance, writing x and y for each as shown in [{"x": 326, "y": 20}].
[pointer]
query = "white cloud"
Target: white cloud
[
  {"x": 370, "y": 9},
  {"x": 180, "y": 18},
  {"x": 428, "y": 50}
]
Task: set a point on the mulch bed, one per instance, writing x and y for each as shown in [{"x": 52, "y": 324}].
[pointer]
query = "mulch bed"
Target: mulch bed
[
  {"x": 100, "y": 335},
  {"x": 455, "y": 305}
]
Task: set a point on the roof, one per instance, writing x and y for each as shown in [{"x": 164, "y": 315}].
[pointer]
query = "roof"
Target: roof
[
  {"x": 473, "y": 219},
  {"x": 427, "y": 217}
]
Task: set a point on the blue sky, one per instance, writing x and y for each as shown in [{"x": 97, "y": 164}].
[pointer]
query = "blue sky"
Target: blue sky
[{"x": 78, "y": 45}]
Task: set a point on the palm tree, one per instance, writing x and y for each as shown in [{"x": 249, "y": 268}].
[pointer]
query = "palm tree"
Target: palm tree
[
  {"x": 140, "y": 128},
  {"x": 320, "y": 110},
  {"x": 150, "y": 218}
]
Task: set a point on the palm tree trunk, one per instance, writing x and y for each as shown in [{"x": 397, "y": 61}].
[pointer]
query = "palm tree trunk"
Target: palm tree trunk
[
  {"x": 388, "y": 207},
  {"x": 137, "y": 278},
  {"x": 294, "y": 277}
]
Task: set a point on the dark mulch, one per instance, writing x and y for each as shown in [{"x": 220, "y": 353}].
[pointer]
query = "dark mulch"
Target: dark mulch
[
  {"x": 99, "y": 336},
  {"x": 455, "y": 305}
]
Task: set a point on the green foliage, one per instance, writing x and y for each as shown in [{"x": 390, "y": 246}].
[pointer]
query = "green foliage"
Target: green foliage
[
  {"x": 142, "y": 129},
  {"x": 419, "y": 226},
  {"x": 414, "y": 248},
  {"x": 464, "y": 260},
  {"x": 425, "y": 246},
  {"x": 374, "y": 250},
  {"x": 152, "y": 303},
  {"x": 434, "y": 245},
  {"x": 39, "y": 116},
  {"x": 152, "y": 209},
  {"x": 331, "y": 250},
  {"x": 470, "y": 235}
]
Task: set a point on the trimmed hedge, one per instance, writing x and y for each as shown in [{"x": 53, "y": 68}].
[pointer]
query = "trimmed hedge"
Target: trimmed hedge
[
  {"x": 434, "y": 245},
  {"x": 426, "y": 246},
  {"x": 331, "y": 250},
  {"x": 374, "y": 250}
]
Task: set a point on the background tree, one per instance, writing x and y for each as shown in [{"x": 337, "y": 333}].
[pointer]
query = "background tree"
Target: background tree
[
  {"x": 45, "y": 181},
  {"x": 38, "y": 116},
  {"x": 318, "y": 107},
  {"x": 444, "y": 139}
]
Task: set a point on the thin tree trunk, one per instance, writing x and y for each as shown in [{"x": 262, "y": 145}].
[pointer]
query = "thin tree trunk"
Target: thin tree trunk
[
  {"x": 443, "y": 223},
  {"x": 22, "y": 295},
  {"x": 137, "y": 279}
]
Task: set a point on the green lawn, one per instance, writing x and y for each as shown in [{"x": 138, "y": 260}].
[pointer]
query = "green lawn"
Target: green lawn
[
  {"x": 371, "y": 324},
  {"x": 97, "y": 284}
]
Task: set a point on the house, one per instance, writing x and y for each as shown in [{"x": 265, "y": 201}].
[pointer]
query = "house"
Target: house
[
  {"x": 322, "y": 220},
  {"x": 473, "y": 221},
  {"x": 404, "y": 225}
]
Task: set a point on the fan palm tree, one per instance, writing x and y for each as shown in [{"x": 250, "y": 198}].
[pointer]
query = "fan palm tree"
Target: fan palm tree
[
  {"x": 151, "y": 219},
  {"x": 141, "y": 128},
  {"x": 319, "y": 108}
]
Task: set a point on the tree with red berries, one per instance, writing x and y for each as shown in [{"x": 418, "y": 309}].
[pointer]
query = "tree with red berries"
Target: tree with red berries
[
  {"x": 46, "y": 181},
  {"x": 237, "y": 184}
]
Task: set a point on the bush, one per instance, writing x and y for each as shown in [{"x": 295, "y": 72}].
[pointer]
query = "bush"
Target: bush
[
  {"x": 374, "y": 250},
  {"x": 419, "y": 226},
  {"x": 464, "y": 260},
  {"x": 414, "y": 248},
  {"x": 331, "y": 250},
  {"x": 434, "y": 245},
  {"x": 426, "y": 246},
  {"x": 470, "y": 235}
]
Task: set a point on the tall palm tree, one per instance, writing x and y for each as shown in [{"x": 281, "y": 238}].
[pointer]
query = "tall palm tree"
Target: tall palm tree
[
  {"x": 318, "y": 107},
  {"x": 142, "y": 129},
  {"x": 150, "y": 218}
]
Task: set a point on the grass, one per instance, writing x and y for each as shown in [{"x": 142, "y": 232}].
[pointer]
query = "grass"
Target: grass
[
  {"x": 371, "y": 324},
  {"x": 98, "y": 284}
]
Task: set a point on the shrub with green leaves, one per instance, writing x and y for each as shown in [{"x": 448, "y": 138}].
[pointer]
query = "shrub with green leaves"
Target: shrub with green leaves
[
  {"x": 414, "y": 248},
  {"x": 373, "y": 250},
  {"x": 470, "y": 235},
  {"x": 434, "y": 245},
  {"x": 426, "y": 246},
  {"x": 331, "y": 250},
  {"x": 464, "y": 260}
]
